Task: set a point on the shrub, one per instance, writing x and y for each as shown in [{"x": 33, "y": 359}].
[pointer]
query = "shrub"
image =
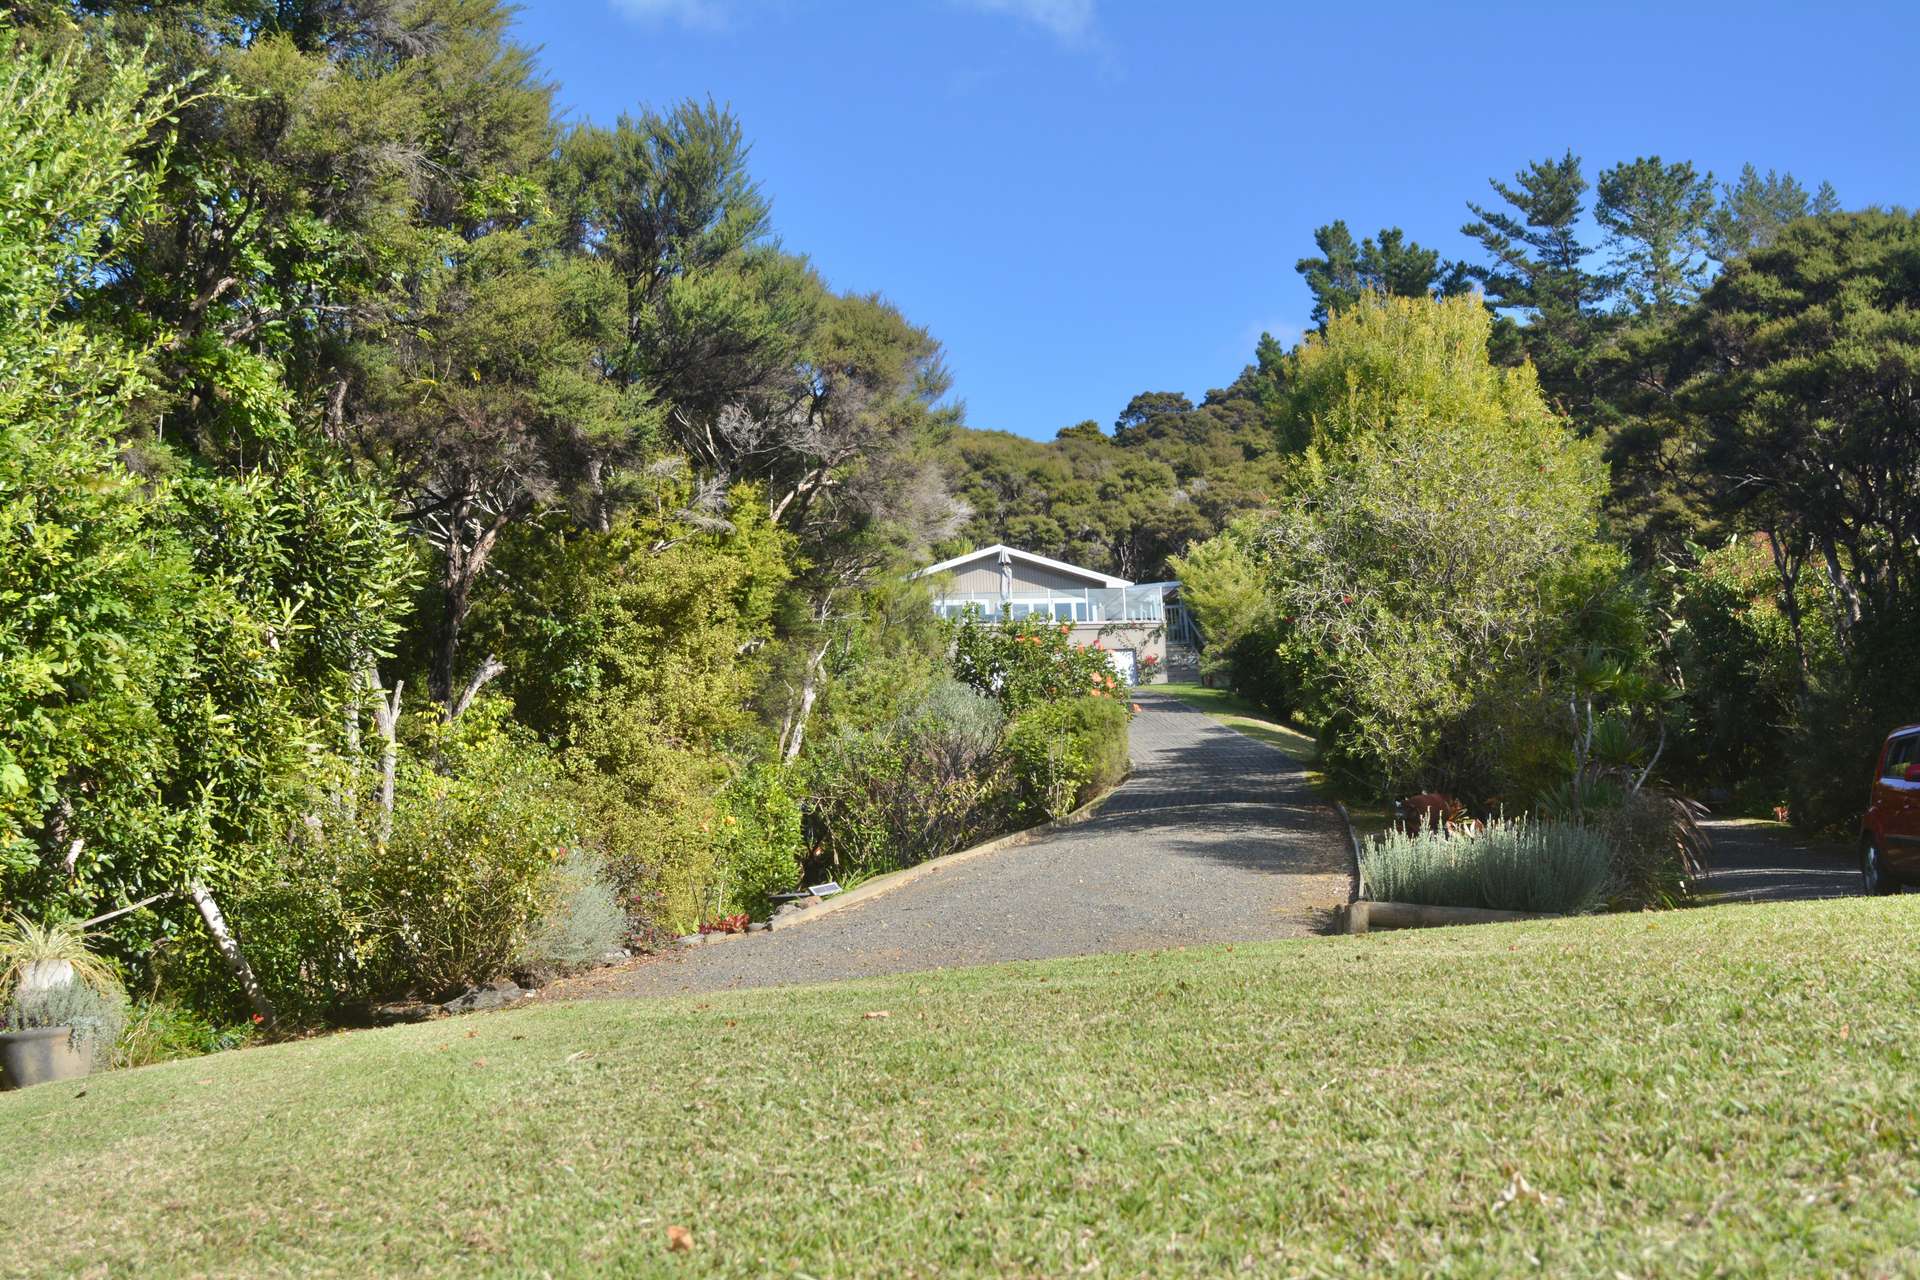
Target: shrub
[
  {"x": 1248, "y": 645},
  {"x": 654, "y": 806},
  {"x": 760, "y": 841},
  {"x": 583, "y": 921},
  {"x": 1063, "y": 753},
  {"x": 921, "y": 786},
  {"x": 1435, "y": 502},
  {"x": 1052, "y": 769},
  {"x": 1509, "y": 865},
  {"x": 1026, "y": 661},
  {"x": 472, "y": 868},
  {"x": 1654, "y": 834},
  {"x": 161, "y": 1031}
]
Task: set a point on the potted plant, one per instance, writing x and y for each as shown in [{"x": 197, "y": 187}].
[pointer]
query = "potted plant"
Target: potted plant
[{"x": 60, "y": 1005}]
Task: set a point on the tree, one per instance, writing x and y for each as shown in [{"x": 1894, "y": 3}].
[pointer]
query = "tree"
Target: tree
[
  {"x": 1391, "y": 265},
  {"x": 1803, "y": 368},
  {"x": 1752, "y": 211},
  {"x": 1799, "y": 374},
  {"x": 1145, "y": 408},
  {"x": 712, "y": 317},
  {"x": 170, "y": 639},
  {"x": 491, "y": 406},
  {"x": 1655, "y": 216},
  {"x": 1435, "y": 502},
  {"x": 1538, "y": 272}
]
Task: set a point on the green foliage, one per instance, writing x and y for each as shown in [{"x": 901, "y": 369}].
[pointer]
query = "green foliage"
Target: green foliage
[
  {"x": 1027, "y": 661},
  {"x": 162, "y": 1031},
  {"x": 1247, "y": 642},
  {"x": 1065, "y": 752},
  {"x": 923, "y": 784},
  {"x": 1538, "y": 270},
  {"x": 1171, "y": 474},
  {"x": 341, "y": 918},
  {"x": 469, "y": 869},
  {"x": 1655, "y": 216},
  {"x": 761, "y": 841},
  {"x": 639, "y": 650},
  {"x": 1739, "y": 661},
  {"x": 1504, "y": 865},
  {"x": 1796, "y": 382},
  {"x": 1752, "y": 211},
  {"x": 167, "y": 640},
  {"x": 583, "y": 920},
  {"x": 1393, "y": 265},
  {"x": 1436, "y": 504}
]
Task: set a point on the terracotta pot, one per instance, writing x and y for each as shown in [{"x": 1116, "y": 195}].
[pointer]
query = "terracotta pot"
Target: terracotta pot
[{"x": 42, "y": 1055}]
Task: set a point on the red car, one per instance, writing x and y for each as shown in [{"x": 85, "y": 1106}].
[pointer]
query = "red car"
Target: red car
[{"x": 1890, "y": 833}]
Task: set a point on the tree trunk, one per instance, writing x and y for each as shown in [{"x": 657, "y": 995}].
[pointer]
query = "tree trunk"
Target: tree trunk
[
  {"x": 483, "y": 675},
  {"x": 796, "y": 733},
  {"x": 1846, "y": 598},
  {"x": 386, "y": 718},
  {"x": 230, "y": 950},
  {"x": 357, "y": 685},
  {"x": 466, "y": 561},
  {"x": 1789, "y": 572}
]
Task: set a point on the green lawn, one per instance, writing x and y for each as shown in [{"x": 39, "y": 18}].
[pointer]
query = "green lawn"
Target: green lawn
[{"x": 1727, "y": 1091}]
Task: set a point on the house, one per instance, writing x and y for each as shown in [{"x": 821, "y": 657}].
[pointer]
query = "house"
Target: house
[{"x": 1129, "y": 619}]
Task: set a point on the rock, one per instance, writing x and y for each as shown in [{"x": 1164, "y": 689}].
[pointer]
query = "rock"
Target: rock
[
  {"x": 495, "y": 995},
  {"x": 791, "y": 909},
  {"x": 387, "y": 1015}
]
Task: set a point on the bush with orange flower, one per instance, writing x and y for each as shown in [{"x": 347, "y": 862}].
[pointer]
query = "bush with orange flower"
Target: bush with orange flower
[{"x": 1027, "y": 661}]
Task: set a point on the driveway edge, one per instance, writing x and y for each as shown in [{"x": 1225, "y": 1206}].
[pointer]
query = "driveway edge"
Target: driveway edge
[{"x": 881, "y": 885}]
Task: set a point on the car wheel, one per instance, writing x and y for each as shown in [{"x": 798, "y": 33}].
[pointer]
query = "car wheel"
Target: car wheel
[{"x": 1873, "y": 868}]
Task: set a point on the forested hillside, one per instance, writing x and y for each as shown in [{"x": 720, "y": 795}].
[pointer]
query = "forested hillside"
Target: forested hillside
[{"x": 1580, "y": 280}]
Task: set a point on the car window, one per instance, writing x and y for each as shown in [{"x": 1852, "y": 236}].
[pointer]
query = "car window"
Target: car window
[{"x": 1899, "y": 756}]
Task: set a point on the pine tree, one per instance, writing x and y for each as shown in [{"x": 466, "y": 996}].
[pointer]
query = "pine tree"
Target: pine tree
[
  {"x": 1538, "y": 270},
  {"x": 1752, "y": 212},
  {"x": 1655, "y": 215},
  {"x": 1392, "y": 265}
]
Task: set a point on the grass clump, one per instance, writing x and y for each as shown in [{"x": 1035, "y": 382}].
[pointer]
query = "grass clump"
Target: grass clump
[{"x": 1505, "y": 865}]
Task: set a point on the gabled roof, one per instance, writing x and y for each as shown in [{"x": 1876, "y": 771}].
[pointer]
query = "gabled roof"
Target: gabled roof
[{"x": 1014, "y": 553}]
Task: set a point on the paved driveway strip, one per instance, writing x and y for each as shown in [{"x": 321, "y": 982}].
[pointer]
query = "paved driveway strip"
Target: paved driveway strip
[{"x": 1214, "y": 838}]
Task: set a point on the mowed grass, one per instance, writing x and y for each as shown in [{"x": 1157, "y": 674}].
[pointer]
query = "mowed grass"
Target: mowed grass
[{"x": 1727, "y": 1092}]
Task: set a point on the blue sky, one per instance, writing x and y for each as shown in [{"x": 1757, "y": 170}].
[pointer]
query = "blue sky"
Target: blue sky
[{"x": 1084, "y": 199}]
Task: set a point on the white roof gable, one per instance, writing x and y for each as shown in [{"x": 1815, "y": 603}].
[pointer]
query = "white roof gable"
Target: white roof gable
[{"x": 999, "y": 549}]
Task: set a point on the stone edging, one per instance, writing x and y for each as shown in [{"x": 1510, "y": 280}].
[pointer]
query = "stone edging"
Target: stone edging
[{"x": 907, "y": 875}]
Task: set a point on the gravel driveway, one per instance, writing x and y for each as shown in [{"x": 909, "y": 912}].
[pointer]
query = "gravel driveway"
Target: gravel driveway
[
  {"x": 1755, "y": 861},
  {"x": 1214, "y": 838}
]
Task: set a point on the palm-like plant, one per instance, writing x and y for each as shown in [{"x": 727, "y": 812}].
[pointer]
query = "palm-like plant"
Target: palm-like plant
[{"x": 37, "y": 958}]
